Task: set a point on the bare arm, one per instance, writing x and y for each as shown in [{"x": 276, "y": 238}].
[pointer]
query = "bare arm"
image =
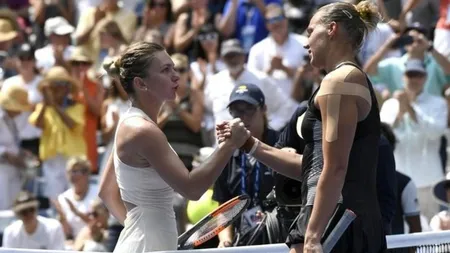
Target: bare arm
[
  {"x": 158, "y": 153},
  {"x": 371, "y": 66},
  {"x": 285, "y": 162},
  {"x": 68, "y": 121},
  {"x": 109, "y": 192},
  {"x": 339, "y": 119},
  {"x": 183, "y": 36},
  {"x": 227, "y": 24},
  {"x": 414, "y": 223},
  {"x": 193, "y": 120},
  {"x": 226, "y": 237}
]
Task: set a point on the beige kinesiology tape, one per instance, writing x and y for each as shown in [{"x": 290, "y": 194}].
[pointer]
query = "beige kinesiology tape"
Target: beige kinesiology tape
[{"x": 334, "y": 92}]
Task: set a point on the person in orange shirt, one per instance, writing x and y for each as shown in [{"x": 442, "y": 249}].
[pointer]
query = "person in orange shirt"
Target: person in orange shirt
[{"x": 91, "y": 95}]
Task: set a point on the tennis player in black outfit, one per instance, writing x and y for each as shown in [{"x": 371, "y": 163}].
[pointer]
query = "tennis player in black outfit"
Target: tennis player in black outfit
[{"x": 341, "y": 129}]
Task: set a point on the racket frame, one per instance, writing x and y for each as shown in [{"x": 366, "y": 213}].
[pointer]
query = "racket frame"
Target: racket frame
[{"x": 222, "y": 208}]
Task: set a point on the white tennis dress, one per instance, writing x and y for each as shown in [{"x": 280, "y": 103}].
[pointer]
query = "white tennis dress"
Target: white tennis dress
[{"x": 151, "y": 225}]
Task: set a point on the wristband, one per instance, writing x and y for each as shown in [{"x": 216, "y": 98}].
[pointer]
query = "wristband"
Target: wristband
[
  {"x": 255, "y": 146},
  {"x": 248, "y": 145}
]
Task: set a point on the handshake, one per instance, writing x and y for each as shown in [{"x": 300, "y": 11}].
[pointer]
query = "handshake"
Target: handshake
[{"x": 233, "y": 132}]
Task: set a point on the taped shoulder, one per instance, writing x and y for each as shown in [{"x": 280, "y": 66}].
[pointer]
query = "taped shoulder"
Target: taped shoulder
[{"x": 333, "y": 86}]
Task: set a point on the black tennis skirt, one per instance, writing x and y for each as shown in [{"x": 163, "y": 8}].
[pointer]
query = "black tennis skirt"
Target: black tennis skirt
[{"x": 364, "y": 235}]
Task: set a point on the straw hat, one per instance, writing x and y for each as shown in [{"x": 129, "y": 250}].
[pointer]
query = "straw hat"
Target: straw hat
[
  {"x": 58, "y": 73},
  {"x": 440, "y": 191},
  {"x": 15, "y": 98},
  {"x": 25, "y": 200},
  {"x": 7, "y": 31},
  {"x": 81, "y": 54}
]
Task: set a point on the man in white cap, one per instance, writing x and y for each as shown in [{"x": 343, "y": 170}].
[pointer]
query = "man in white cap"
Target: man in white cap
[
  {"x": 418, "y": 119},
  {"x": 59, "y": 50},
  {"x": 32, "y": 231}
]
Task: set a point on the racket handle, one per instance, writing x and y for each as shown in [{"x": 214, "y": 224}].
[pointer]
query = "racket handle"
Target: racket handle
[{"x": 338, "y": 230}]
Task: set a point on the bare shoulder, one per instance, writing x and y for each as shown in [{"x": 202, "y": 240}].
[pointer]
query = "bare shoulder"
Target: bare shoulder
[{"x": 134, "y": 135}]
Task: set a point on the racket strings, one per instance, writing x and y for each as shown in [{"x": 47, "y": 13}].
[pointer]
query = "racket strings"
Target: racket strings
[{"x": 208, "y": 230}]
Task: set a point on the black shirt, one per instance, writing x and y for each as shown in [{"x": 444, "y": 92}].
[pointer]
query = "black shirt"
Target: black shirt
[
  {"x": 386, "y": 182},
  {"x": 228, "y": 185},
  {"x": 289, "y": 136}
]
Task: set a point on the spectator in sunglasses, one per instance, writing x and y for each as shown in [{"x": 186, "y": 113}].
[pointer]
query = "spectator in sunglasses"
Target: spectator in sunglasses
[
  {"x": 157, "y": 15},
  {"x": 180, "y": 120},
  {"x": 74, "y": 204},
  {"x": 32, "y": 231},
  {"x": 62, "y": 121},
  {"x": 418, "y": 119},
  {"x": 207, "y": 55}
]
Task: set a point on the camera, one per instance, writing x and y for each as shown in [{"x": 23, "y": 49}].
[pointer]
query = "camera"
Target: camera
[{"x": 285, "y": 201}]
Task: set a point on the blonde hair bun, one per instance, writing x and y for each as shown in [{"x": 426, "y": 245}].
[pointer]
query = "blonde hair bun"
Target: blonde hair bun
[{"x": 368, "y": 12}]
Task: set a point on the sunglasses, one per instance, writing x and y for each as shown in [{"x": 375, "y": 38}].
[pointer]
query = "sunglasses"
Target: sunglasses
[
  {"x": 94, "y": 214},
  {"x": 274, "y": 20},
  {"x": 181, "y": 70},
  {"x": 80, "y": 63},
  {"x": 155, "y": 4},
  {"x": 27, "y": 211},
  {"x": 208, "y": 36},
  {"x": 79, "y": 172},
  {"x": 26, "y": 58},
  {"x": 414, "y": 74},
  {"x": 61, "y": 83},
  {"x": 247, "y": 111}
]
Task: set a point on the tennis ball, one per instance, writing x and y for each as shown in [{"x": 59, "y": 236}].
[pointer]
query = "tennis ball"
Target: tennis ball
[{"x": 196, "y": 210}]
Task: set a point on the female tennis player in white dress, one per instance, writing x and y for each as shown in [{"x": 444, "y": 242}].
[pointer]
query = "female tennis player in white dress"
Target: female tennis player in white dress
[{"x": 143, "y": 170}]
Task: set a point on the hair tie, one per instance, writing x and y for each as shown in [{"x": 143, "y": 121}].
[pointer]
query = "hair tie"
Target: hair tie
[{"x": 348, "y": 14}]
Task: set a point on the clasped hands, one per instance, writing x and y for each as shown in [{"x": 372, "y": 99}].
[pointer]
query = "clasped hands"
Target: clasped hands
[{"x": 233, "y": 132}]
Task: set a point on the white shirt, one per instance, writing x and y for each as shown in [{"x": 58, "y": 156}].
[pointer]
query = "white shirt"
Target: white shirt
[
  {"x": 49, "y": 235},
  {"x": 280, "y": 107},
  {"x": 26, "y": 130},
  {"x": 417, "y": 151},
  {"x": 376, "y": 39},
  {"x": 83, "y": 206},
  {"x": 292, "y": 52},
  {"x": 45, "y": 58},
  {"x": 195, "y": 68}
]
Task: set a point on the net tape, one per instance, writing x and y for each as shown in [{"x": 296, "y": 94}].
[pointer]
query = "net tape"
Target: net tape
[{"x": 427, "y": 242}]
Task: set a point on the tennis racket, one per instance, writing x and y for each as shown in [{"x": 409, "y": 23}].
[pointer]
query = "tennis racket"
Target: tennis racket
[
  {"x": 213, "y": 223},
  {"x": 346, "y": 219}
]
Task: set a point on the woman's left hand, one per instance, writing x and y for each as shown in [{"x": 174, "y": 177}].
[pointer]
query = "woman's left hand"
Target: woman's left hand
[{"x": 312, "y": 247}]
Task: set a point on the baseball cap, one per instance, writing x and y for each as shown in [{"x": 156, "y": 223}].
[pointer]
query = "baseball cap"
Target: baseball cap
[
  {"x": 26, "y": 51},
  {"x": 58, "y": 26},
  {"x": 415, "y": 65},
  {"x": 231, "y": 46},
  {"x": 248, "y": 93},
  {"x": 416, "y": 26}
]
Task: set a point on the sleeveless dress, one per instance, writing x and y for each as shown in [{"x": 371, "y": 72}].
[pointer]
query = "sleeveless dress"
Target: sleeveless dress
[
  {"x": 366, "y": 233},
  {"x": 150, "y": 225}
]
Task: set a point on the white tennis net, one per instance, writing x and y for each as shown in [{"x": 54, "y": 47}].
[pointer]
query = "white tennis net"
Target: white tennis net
[{"x": 428, "y": 242}]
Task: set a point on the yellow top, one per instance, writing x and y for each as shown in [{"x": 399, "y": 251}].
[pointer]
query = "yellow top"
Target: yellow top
[{"x": 56, "y": 137}]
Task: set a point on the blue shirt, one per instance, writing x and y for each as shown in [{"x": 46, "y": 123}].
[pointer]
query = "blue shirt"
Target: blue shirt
[
  {"x": 391, "y": 71},
  {"x": 248, "y": 14}
]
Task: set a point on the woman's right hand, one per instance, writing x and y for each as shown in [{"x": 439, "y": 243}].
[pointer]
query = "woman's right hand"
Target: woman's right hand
[
  {"x": 225, "y": 244},
  {"x": 239, "y": 133}
]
